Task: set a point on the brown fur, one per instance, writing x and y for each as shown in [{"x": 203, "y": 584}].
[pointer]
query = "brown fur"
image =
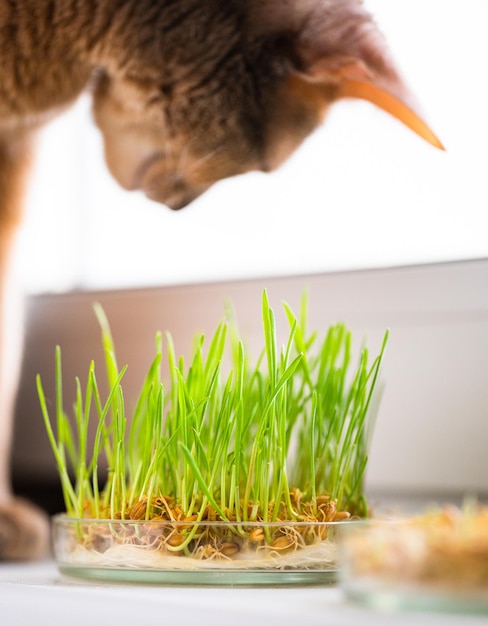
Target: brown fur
[{"x": 185, "y": 93}]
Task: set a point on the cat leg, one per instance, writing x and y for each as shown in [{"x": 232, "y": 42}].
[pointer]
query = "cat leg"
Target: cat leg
[{"x": 24, "y": 529}]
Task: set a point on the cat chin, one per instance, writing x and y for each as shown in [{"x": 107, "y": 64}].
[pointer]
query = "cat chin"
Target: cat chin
[
  {"x": 168, "y": 188},
  {"x": 175, "y": 201}
]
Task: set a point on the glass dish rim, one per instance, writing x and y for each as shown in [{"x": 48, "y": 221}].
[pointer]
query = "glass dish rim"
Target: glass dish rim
[{"x": 64, "y": 518}]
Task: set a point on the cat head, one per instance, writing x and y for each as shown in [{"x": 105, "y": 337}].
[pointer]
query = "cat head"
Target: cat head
[{"x": 234, "y": 87}]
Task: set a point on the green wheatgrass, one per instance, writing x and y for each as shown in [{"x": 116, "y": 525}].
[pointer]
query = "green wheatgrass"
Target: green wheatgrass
[{"x": 241, "y": 444}]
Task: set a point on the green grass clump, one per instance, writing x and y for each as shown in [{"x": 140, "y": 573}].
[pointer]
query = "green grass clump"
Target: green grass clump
[{"x": 268, "y": 441}]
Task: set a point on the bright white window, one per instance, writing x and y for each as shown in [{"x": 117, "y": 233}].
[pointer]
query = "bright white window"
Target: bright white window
[{"x": 362, "y": 192}]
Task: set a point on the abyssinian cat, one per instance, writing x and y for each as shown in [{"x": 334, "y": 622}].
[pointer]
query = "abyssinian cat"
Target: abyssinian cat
[{"x": 185, "y": 93}]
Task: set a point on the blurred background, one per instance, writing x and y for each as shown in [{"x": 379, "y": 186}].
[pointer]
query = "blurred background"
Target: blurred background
[
  {"x": 384, "y": 229},
  {"x": 362, "y": 192}
]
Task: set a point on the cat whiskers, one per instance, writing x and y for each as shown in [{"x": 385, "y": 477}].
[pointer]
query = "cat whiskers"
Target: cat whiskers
[
  {"x": 167, "y": 175},
  {"x": 186, "y": 166}
]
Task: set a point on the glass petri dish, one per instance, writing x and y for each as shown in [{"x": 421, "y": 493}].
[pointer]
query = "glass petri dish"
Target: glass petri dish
[
  {"x": 198, "y": 553},
  {"x": 435, "y": 562}
]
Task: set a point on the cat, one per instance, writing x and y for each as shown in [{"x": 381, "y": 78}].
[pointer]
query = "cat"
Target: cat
[{"x": 185, "y": 93}]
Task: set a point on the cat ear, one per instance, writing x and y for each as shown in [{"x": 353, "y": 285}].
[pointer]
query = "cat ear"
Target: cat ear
[{"x": 346, "y": 77}]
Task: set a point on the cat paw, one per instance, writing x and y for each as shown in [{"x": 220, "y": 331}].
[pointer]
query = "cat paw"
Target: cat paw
[{"x": 24, "y": 531}]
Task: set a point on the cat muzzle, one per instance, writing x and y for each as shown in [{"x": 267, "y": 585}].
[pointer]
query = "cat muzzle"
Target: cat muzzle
[
  {"x": 175, "y": 199},
  {"x": 163, "y": 186}
]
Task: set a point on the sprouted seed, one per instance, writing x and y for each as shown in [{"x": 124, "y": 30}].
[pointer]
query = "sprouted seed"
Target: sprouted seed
[{"x": 282, "y": 440}]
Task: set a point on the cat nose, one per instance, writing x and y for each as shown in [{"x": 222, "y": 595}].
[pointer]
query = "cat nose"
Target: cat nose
[
  {"x": 175, "y": 199},
  {"x": 175, "y": 204}
]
